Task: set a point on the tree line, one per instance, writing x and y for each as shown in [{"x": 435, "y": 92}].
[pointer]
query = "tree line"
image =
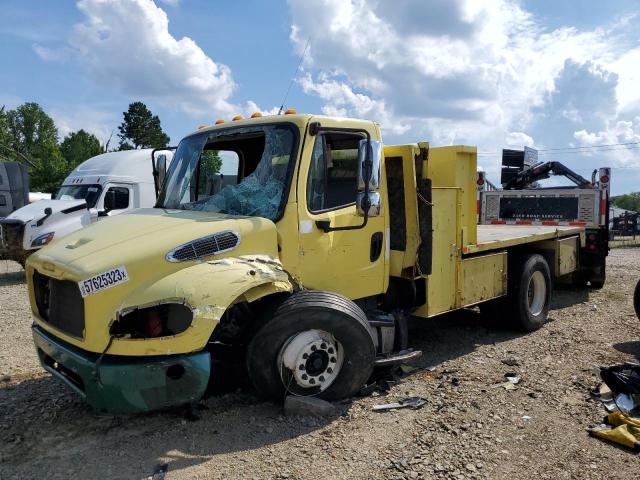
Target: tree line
[
  {"x": 29, "y": 135},
  {"x": 628, "y": 201}
]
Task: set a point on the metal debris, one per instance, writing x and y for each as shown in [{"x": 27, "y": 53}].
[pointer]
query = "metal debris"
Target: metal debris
[{"x": 410, "y": 402}]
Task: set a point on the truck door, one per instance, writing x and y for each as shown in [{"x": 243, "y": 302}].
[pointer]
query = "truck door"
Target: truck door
[{"x": 352, "y": 262}]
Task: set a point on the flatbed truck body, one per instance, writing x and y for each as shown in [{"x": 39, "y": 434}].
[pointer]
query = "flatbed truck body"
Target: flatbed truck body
[{"x": 308, "y": 264}]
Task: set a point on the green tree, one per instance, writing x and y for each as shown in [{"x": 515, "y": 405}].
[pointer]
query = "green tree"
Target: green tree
[
  {"x": 628, "y": 201},
  {"x": 141, "y": 129},
  {"x": 6, "y": 143},
  {"x": 30, "y": 128},
  {"x": 34, "y": 138},
  {"x": 79, "y": 146}
]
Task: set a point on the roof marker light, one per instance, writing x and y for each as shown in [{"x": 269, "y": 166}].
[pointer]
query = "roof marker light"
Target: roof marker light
[
  {"x": 202, "y": 125},
  {"x": 219, "y": 121},
  {"x": 290, "y": 111},
  {"x": 236, "y": 118},
  {"x": 256, "y": 115}
]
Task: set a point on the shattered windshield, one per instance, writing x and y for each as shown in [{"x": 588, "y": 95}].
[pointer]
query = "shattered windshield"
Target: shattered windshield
[
  {"x": 237, "y": 171},
  {"x": 88, "y": 193}
]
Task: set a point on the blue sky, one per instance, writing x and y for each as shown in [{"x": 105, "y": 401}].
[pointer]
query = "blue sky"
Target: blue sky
[{"x": 495, "y": 74}]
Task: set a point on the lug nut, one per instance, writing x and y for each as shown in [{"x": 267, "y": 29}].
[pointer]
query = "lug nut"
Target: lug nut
[
  {"x": 301, "y": 366},
  {"x": 329, "y": 370},
  {"x": 321, "y": 378},
  {"x": 330, "y": 350},
  {"x": 313, "y": 348},
  {"x": 305, "y": 355},
  {"x": 304, "y": 376},
  {"x": 333, "y": 360},
  {"x": 312, "y": 381},
  {"x": 323, "y": 346}
]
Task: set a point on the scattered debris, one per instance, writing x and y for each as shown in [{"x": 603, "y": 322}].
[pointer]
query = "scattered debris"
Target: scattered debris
[
  {"x": 511, "y": 362},
  {"x": 619, "y": 429},
  {"x": 409, "y": 402},
  {"x": 620, "y": 394},
  {"x": 159, "y": 472},
  {"x": 304, "y": 406},
  {"x": 512, "y": 380}
]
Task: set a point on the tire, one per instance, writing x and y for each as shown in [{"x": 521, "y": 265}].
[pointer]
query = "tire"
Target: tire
[
  {"x": 636, "y": 300},
  {"x": 294, "y": 322},
  {"x": 529, "y": 292}
]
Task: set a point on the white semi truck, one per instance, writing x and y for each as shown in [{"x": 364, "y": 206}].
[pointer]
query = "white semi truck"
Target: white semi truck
[{"x": 102, "y": 186}]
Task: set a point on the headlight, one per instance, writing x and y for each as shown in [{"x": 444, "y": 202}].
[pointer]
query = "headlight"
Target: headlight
[
  {"x": 42, "y": 240},
  {"x": 151, "y": 322}
]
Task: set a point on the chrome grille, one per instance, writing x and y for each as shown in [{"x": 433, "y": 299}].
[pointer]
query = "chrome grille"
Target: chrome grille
[{"x": 205, "y": 246}]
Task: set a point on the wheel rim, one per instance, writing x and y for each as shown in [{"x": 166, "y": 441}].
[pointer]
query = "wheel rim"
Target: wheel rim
[
  {"x": 310, "y": 361},
  {"x": 536, "y": 293}
]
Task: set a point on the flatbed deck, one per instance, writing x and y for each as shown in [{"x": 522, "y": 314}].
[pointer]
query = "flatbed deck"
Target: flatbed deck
[{"x": 492, "y": 237}]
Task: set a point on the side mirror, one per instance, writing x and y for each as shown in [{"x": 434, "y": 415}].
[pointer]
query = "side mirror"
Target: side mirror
[
  {"x": 369, "y": 164},
  {"x": 370, "y": 204},
  {"x": 109, "y": 201},
  {"x": 375, "y": 155},
  {"x": 161, "y": 169}
]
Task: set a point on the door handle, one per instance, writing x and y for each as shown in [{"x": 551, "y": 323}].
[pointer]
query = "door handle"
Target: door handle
[{"x": 376, "y": 246}]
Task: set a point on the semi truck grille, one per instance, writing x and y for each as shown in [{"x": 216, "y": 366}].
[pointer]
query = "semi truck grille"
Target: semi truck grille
[
  {"x": 11, "y": 234},
  {"x": 205, "y": 246},
  {"x": 59, "y": 304}
]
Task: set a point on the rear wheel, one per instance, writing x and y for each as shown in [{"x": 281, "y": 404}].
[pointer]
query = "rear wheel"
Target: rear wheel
[
  {"x": 529, "y": 292},
  {"x": 312, "y": 343}
]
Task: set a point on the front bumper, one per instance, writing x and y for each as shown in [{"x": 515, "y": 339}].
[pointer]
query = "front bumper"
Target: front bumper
[{"x": 125, "y": 384}]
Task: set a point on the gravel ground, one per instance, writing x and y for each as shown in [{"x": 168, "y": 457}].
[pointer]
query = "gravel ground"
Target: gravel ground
[{"x": 468, "y": 429}]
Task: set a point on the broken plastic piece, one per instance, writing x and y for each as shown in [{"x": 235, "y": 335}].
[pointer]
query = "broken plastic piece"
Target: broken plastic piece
[{"x": 409, "y": 402}]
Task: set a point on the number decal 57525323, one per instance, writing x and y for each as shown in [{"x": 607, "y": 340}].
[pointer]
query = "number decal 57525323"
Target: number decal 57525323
[{"x": 103, "y": 281}]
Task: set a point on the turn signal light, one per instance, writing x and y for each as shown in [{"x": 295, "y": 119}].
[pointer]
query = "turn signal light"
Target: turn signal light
[
  {"x": 219, "y": 121},
  {"x": 290, "y": 111},
  {"x": 202, "y": 125},
  {"x": 256, "y": 115},
  {"x": 236, "y": 118}
]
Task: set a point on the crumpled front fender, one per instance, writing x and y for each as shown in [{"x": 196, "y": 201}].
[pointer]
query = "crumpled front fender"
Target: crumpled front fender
[{"x": 208, "y": 288}]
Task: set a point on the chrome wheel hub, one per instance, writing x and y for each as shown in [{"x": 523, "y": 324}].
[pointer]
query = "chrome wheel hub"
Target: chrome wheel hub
[{"x": 310, "y": 360}]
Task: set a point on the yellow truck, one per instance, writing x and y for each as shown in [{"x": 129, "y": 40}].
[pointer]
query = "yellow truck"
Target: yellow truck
[{"x": 300, "y": 240}]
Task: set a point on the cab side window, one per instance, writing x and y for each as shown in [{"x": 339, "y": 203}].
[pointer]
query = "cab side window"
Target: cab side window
[
  {"x": 332, "y": 181},
  {"x": 120, "y": 197}
]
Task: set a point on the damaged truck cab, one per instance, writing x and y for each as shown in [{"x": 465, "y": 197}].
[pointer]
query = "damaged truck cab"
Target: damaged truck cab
[{"x": 298, "y": 240}]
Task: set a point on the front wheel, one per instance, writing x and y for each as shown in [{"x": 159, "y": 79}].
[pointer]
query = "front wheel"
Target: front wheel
[{"x": 312, "y": 343}]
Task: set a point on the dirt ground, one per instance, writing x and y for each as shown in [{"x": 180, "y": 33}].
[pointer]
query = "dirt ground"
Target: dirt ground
[{"x": 469, "y": 428}]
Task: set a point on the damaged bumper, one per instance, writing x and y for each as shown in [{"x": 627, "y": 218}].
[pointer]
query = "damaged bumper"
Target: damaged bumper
[{"x": 125, "y": 384}]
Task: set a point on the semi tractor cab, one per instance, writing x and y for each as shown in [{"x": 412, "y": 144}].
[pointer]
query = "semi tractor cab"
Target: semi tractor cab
[
  {"x": 102, "y": 186},
  {"x": 302, "y": 244},
  {"x": 521, "y": 202}
]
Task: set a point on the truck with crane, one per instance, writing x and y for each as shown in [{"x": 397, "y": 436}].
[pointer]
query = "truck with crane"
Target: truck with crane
[{"x": 307, "y": 260}]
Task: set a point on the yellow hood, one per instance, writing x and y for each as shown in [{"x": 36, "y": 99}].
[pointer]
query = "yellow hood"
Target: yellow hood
[{"x": 148, "y": 234}]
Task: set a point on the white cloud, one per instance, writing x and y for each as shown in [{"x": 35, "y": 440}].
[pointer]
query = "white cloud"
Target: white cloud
[
  {"x": 451, "y": 71},
  {"x": 98, "y": 122},
  {"x": 518, "y": 140},
  {"x": 126, "y": 45},
  {"x": 51, "y": 54},
  {"x": 171, "y": 3}
]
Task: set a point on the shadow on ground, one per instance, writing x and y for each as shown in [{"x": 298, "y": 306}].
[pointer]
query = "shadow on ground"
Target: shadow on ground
[
  {"x": 631, "y": 348},
  {"x": 12, "y": 278}
]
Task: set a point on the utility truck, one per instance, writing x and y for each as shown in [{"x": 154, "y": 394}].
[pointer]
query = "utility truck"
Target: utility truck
[
  {"x": 522, "y": 201},
  {"x": 307, "y": 255},
  {"x": 100, "y": 187}
]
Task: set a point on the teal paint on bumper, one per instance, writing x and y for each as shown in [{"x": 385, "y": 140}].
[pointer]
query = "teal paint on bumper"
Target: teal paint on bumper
[{"x": 126, "y": 384}]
